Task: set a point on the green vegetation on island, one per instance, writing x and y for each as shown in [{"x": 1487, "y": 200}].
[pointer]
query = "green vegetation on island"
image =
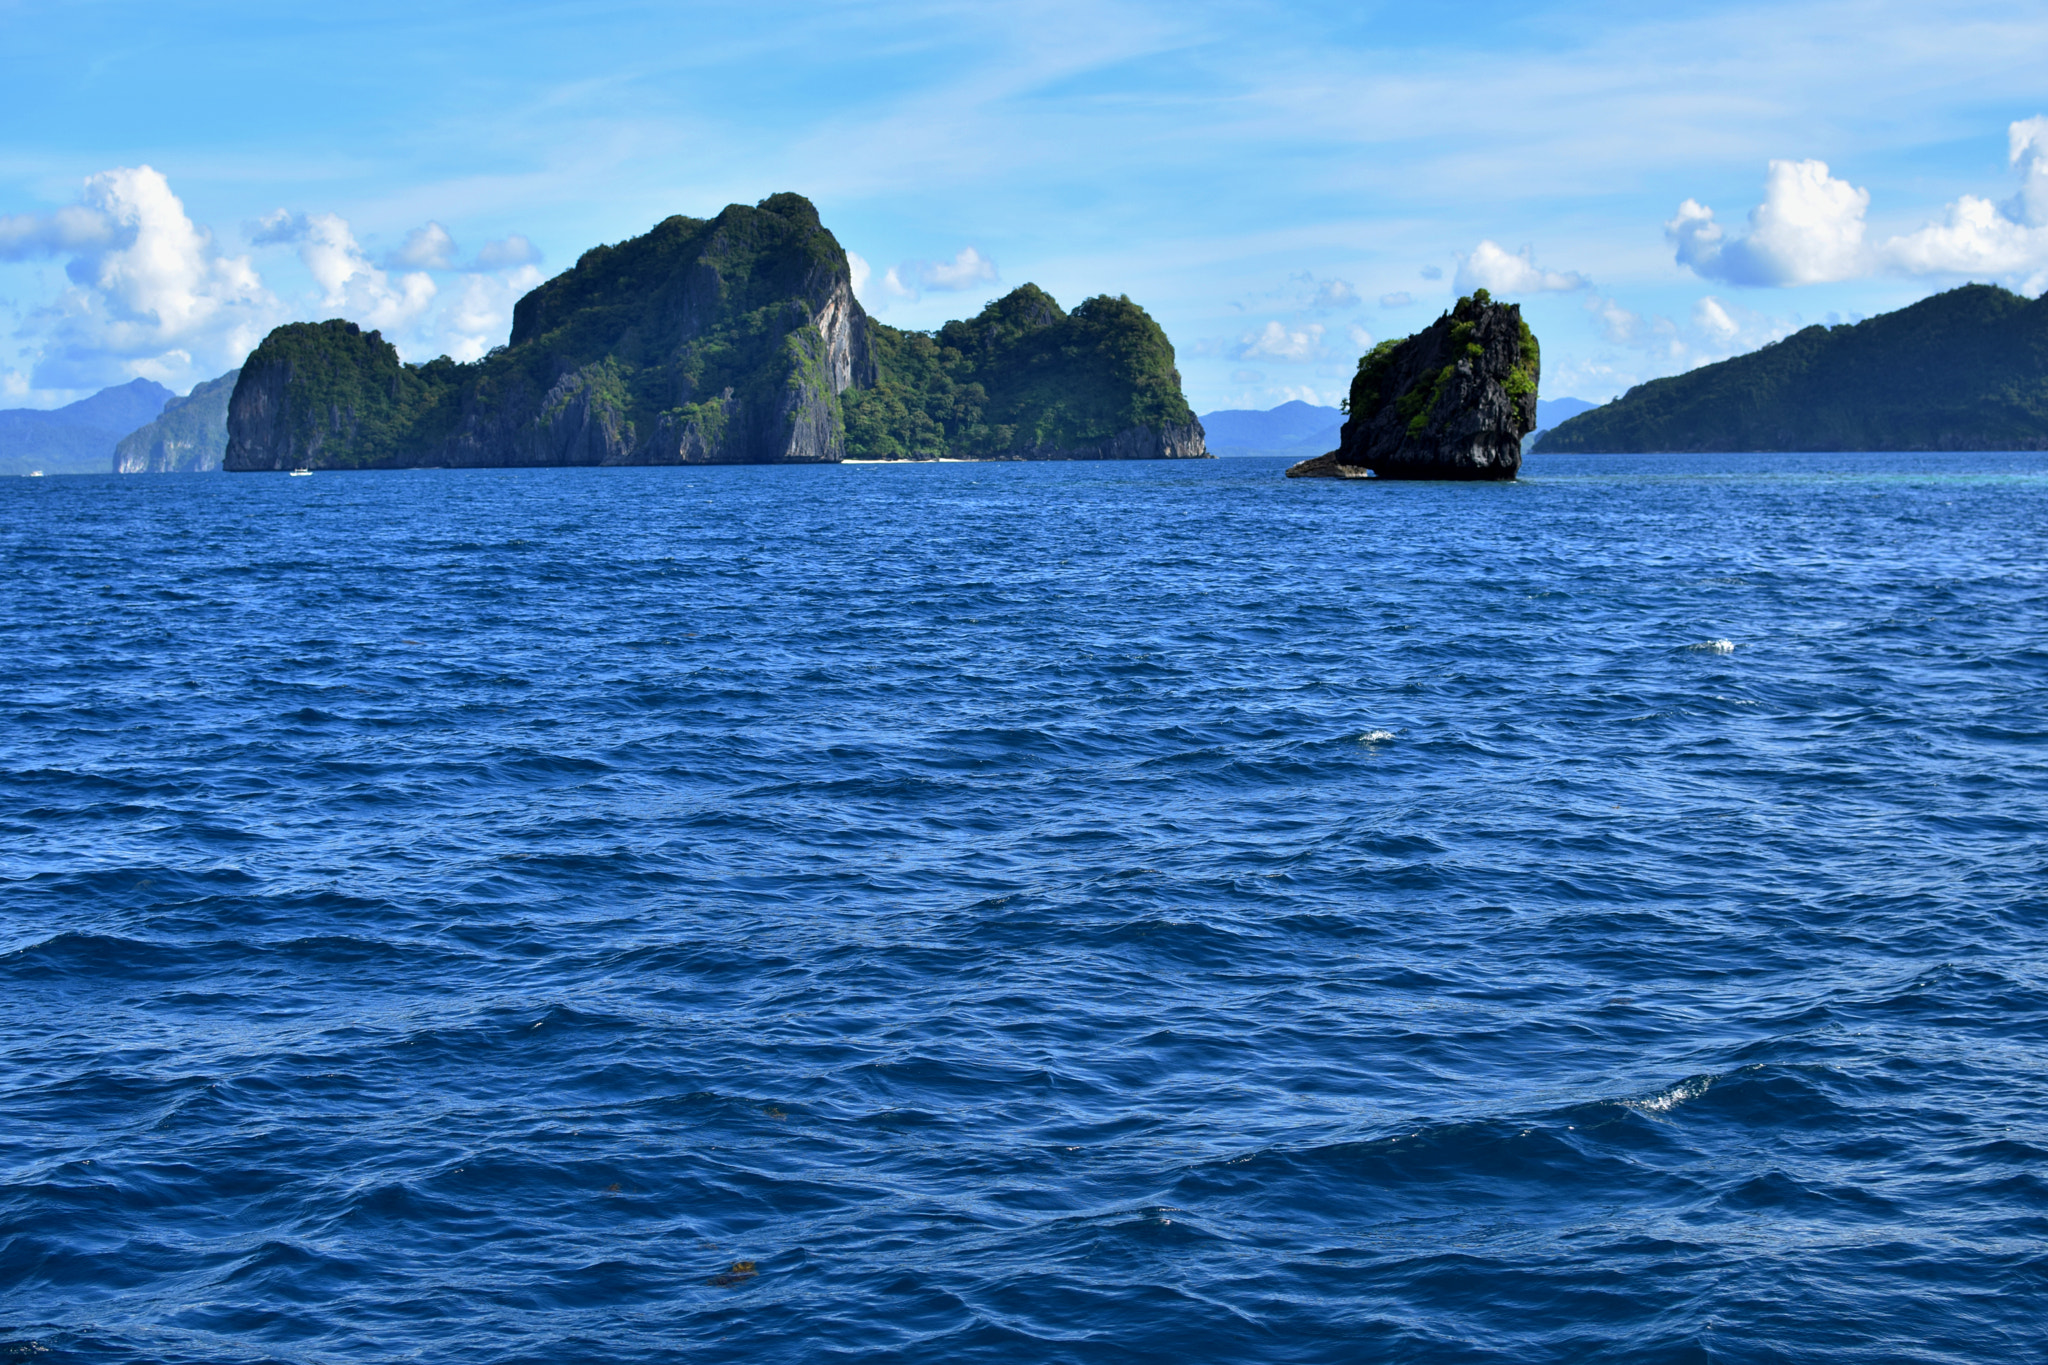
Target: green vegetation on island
[
  {"x": 1452, "y": 401},
  {"x": 717, "y": 341},
  {"x": 1025, "y": 380},
  {"x": 731, "y": 340},
  {"x": 1963, "y": 370}
]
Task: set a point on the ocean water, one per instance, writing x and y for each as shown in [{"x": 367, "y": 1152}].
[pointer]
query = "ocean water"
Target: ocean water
[{"x": 1012, "y": 913}]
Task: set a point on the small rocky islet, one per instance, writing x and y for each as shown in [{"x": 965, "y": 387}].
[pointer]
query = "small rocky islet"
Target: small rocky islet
[{"x": 1452, "y": 401}]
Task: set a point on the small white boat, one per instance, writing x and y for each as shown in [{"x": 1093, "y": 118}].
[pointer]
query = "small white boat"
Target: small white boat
[
  {"x": 302, "y": 473},
  {"x": 35, "y": 473}
]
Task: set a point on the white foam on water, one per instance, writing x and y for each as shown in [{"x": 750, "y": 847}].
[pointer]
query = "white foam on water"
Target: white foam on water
[
  {"x": 1375, "y": 736},
  {"x": 1664, "y": 1101},
  {"x": 1714, "y": 647}
]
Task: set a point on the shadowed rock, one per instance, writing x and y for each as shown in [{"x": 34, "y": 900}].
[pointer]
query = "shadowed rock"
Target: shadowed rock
[{"x": 1451, "y": 402}]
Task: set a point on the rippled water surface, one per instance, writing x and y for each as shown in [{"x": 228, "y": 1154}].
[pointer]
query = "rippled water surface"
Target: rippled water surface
[{"x": 1027, "y": 913}]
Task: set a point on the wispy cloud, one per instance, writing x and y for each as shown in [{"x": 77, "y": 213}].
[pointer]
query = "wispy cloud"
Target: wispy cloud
[{"x": 1300, "y": 344}]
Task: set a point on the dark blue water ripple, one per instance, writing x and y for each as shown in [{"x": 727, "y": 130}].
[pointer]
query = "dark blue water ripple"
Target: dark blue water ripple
[{"x": 1027, "y": 913}]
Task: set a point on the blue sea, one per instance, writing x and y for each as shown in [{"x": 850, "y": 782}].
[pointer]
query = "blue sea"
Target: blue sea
[{"x": 1027, "y": 913}]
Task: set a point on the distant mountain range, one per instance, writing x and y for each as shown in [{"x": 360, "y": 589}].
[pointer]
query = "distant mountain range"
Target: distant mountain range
[
  {"x": 78, "y": 438},
  {"x": 1963, "y": 370},
  {"x": 1296, "y": 429},
  {"x": 1301, "y": 430}
]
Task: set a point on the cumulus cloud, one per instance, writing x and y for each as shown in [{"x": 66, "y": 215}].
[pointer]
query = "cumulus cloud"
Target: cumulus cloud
[
  {"x": 350, "y": 285},
  {"x": 425, "y": 248},
  {"x": 1491, "y": 268},
  {"x": 1299, "y": 345},
  {"x": 479, "y": 314},
  {"x": 150, "y": 293},
  {"x": 1810, "y": 229},
  {"x": 1359, "y": 337},
  {"x": 1400, "y": 298},
  {"x": 1334, "y": 294}
]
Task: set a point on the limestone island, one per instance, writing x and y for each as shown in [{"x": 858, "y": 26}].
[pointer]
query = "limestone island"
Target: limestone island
[
  {"x": 732, "y": 340},
  {"x": 1451, "y": 402}
]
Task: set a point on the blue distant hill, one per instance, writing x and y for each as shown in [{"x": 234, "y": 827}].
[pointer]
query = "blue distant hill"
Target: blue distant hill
[
  {"x": 80, "y": 437},
  {"x": 1290, "y": 429},
  {"x": 1300, "y": 430},
  {"x": 1551, "y": 411}
]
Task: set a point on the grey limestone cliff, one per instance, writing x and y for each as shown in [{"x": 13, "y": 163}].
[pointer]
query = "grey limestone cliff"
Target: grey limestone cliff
[{"x": 190, "y": 436}]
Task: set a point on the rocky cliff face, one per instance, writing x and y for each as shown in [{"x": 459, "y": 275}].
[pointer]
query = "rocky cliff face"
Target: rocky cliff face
[
  {"x": 1451, "y": 402},
  {"x": 1173, "y": 441},
  {"x": 189, "y": 437},
  {"x": 723, "y": 341}
]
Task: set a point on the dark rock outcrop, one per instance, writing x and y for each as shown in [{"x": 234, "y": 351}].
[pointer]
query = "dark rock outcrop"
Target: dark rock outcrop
[
  {"x": 1451, "y": 402},
  {"x": 190, "y": 436},
  {"x": 728, "y": 341}
]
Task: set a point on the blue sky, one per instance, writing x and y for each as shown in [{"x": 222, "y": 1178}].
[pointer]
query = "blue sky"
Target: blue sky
[{"x": 1280, "y": 184}]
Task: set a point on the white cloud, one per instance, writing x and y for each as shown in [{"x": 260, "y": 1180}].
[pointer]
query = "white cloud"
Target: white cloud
[
  {"x": 1334, "y": 294},
  {"x": 1360, "y": 338},
  {"x": 1716, "y": 330},
  {"x": 480, "y": 315},
  {"x": 1810, "y": 229},
  {"x": 1432, "y": 272},
  {"x": 350, "y": 286},
  {"x": 425, "y": 248},
  {"x": 913, "y": 279},
  {"x": 150, "y": 293},
  {"x": 1495, "y": 270},
  {"x": 966, "y": 270},
  {"x": 1400, "y": 298},
  {"x": 1712, "y": 317},
  {"x": 1293, "y": 346}
]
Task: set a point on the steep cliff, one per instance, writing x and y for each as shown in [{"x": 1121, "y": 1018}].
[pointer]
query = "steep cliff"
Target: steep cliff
[
  {"x": 1026, "y": 380},
  {"x": 1451, "y": 402},
  {"x": 727, "y": 341},
  {"x": 1963, "y": 370},
  {"x": 189, "y": 437}
]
